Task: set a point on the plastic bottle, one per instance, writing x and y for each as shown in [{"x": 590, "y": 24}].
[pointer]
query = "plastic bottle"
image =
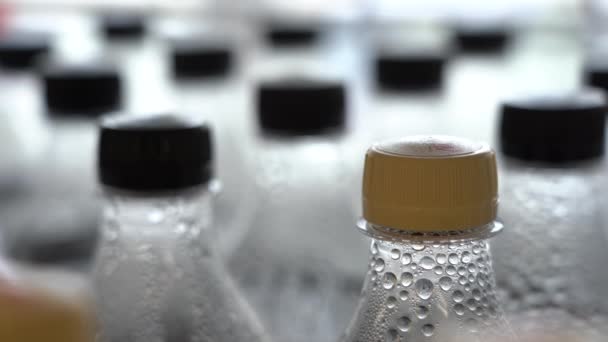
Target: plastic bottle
[
  {"x": 290, "y": 263},
  {"x": 157, "y": 275},
  {"x": 552, "y": 194},
  {"x": 429, "y": 204},
  {"x": 207, "y": 84},
  {"x": 63, "y": 181}
]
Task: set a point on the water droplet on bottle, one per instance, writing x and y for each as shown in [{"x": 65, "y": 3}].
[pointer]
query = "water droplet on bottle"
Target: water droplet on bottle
[
  {"x": 428, "y": 330},
  {"x": 406, "y": 279},
  {"x": 480, "y": 262},
  {"x": 379, "y": 265},
  {"x": 445, "y": 283},
  {"x": 418, "y": 247},
  {"x": 438, "y": 270},
  {"x": 392, "y": 335},
  {"x": 471, "y": 304},
  {"x": 406, "y": 259},
  {"x": 467, "y": 287},
  {"x": 403, "y": 323},
  {"x": 466, "y": 257},
  {"x": 453, "y": 258},
  {"x": 476, "y": 249},
  {"x": 471, "y": 278},
  {"x": 450, "y": 270},
  {"x": 391, "y": 302},
  {"x": 462, "y": 280},
  {"x": 476, "y": 294},
  {"x": 459, "y": 309},
  {"x": 389, "y": 280},
  {"x": 472, "y": 268},
  {"x": 422, "y": 311},
  {"x": 462, "y": 270},
  {"x": 374, "y": 248},
  {"x": 404, "y": 295},
  {"x": 424, "y": 288},
  {"x": 427, "y": 263},
  {"x": 458, "y": 296},
  {"x": 374, "y": 276},
  {"x": 471, "y": 323},
  {"x": 414, "y": 266},
  {"x": 441, "y": 258},
  {"x": 480, "y": 280},
  {"x": 395, "y": 253}
]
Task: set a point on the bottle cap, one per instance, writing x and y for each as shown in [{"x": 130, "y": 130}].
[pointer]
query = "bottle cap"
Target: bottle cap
[
  {"x": 154, "y": 153},
  {"x": 121, "y": 26},
  {"x": 21, "y": 50},
  {"x": 596, "y": 75},
  {"x": 285, "y": 34},
  {"x": 430, "y": 184},
  {"x": 556, "y": 128},
  {"x": 87, "y": 90},
  {"x": 482, "y": 39},
  {"x": 409, "y": 71},
  {"x": 298, "y": 106},
  {"x": 195, "y": 59}
]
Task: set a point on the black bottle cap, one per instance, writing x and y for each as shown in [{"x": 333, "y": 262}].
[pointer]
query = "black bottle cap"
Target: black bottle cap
[
  {"x": 21, "y": 50},
  {"x": 561, "y": 128},
  {"x": 195, "y": 59},
  {"x": 155, "y": 153},
  {"x": 409, "y": 71},
  {"x": 596, "y": 75},
  {"x": 86, "y": 90},
  {"x": 287, "y": 35},
  {"x": 482, "y": 39},
  {"x": 301, "y": 107},
  {"x": 123, "y": 26}
]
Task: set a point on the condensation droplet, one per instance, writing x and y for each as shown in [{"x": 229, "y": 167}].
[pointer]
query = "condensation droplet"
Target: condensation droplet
[
  {"x": 389, "y": 280},
  {"x": 414, "y": 266},
  {"x": 374, "y": 248},
  {"x": 472, "y": 268},
  {"x": 391, "y": 302},
  {"x": 438, "y": 270},
  {"x": 445, "y": 283},
  {"x": 467, "y": 287},
  {"x": 450, "y": 270},
  {"x": 476, "y": 294},
  {"x": 406, "y": 259},
  {"x": 471, "y": 303},
  {"x": 462, "y": 280},
  {"x": 466, "y": 257},
  {"x": 427, "y": 263},
  {"x": 392, "y": 335},
  {"x": 471, "y": 278},
  {"x": 453, "y": 258},
  {"x": 407, "y": 279},
  {"x": 404, "y": 323},
  {"x": 462, "y": 270},
  {"x": 459, "y": 309},
  {"x": 418, "y": 247},
  {"x": 424, "y": 288},
  {"x": 395, "y": 253},
  {"x": 422, "y": 312},
  {"x": 404, "y": 295},
  {"x": 476, "y": 249},
  {"x": 379, "y": 265},
  {"x": 458, "y": 296},
  {"x": 441, "y": 258},
  {"x": 428, "y": 330}
]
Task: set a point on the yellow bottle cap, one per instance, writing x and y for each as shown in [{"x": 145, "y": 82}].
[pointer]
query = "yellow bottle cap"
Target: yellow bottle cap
[{"x": 430, "y": 184}]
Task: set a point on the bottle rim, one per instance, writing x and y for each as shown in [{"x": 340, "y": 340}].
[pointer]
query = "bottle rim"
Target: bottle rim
[{"x": 436, "y": 237}]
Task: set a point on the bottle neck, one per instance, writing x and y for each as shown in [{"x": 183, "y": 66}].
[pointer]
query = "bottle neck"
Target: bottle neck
[
  {"x": 142, "y": 212},
  {"x": 431, "y": 291}
]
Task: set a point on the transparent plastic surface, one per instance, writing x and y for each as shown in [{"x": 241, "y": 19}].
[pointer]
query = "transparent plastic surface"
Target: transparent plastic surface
[
  {"x": 158, "y": 277},
  {"x": 428, "y": 288},
  {"x": 553, "y": 255},
  {"x": 299, "y": 258}
]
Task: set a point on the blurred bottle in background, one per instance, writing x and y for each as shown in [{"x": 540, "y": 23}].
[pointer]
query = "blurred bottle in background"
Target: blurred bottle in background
[
  {"x": 550, "y": 260},
  {"x": 298, "y": 250},
  {"x": 157, "y": 274},
  {"x": 429, "y": 205},
  {"x": 208, "y": 85},
  {"x": 63, "y": 179}
]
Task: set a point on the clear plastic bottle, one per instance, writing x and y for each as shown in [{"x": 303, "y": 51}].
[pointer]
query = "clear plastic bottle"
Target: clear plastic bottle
[
  {"x": 549, "y": 261},
  {"x": 429, "y": 204},
  {"x": 63, "y": 180},
  {"x": 157, "y": 275},
  {"x": 303, "y": 204}
]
